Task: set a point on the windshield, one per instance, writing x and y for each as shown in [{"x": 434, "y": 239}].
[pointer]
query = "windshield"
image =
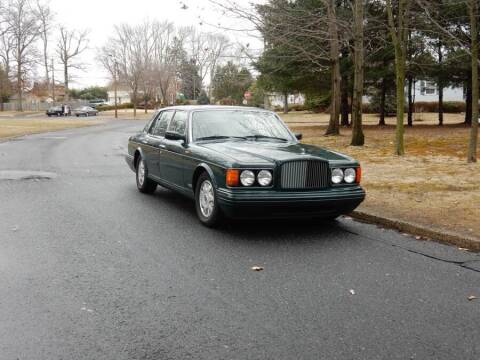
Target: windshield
[{"x": 238, "y": 124}]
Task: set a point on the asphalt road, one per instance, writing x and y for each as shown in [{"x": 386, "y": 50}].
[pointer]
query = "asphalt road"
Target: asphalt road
[{"x": 92, "y": 269}]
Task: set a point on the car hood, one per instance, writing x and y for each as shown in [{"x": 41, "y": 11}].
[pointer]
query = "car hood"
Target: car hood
[{"x": 266, "y": 152}]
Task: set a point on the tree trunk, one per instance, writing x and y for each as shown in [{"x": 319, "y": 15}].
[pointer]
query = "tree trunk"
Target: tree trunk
[
  {"x": 334, "y": 125},
  {"x": 134, "y": 103},
  {"x": 19, "y": 88},
  {"x": 345, "y": 107},
  {"x": 468, "y": 101},
  {"x": 45, "y": 62},
  {"x": 440, "y": 85},
  {"x": 410, "y": 100},
  {"x": 65, "y": 75},
  {"x": 400, "y": 69},
  {"x": 383, "y": 97},
  {"x": 358, "y": 138},
  {"x": 285, "y": 103},
  {"x": 472, "y": 146},
  {"x": 399, "y": 38}
]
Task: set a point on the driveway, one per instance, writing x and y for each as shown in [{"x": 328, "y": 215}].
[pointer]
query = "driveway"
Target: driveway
[{"x": 92, "y": 269}]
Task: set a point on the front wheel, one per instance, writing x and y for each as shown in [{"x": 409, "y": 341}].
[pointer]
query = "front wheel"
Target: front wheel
[
  {"x": 206, "y": 203},
  {"x": 144, "y": 184}
]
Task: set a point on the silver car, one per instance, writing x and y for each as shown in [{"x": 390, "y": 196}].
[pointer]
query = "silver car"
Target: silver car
[{"x": 85, "y": 111}]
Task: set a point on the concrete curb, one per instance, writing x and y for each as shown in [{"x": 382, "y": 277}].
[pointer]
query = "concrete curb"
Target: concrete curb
[{"x": 412, "y": 228}]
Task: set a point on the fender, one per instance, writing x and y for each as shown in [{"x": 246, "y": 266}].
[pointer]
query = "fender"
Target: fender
[
  {"x": 140, "y": 150},
  {"x": 209, "y": 171}
]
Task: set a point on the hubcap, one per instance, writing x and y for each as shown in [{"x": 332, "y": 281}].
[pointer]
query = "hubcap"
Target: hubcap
[
  {"x": 141, "y": 173},
  {"x": 207, "y": 198}
]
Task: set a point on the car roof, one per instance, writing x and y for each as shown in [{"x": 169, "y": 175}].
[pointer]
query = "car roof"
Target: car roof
[{"x": 212, "y": 107}]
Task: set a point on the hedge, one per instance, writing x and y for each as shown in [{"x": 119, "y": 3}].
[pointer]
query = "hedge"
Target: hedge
[{"x": 112, "y": 107}]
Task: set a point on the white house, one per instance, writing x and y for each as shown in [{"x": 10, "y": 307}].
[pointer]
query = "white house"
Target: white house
[
  {"x": 427, "y": 91},
  {"x": 277, "y": 99},
  {"x": 123, "y": 97}
]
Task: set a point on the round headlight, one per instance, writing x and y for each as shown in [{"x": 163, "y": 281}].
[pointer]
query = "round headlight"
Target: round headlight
[
  {"x": 350, "y": 175},
  {"x": 264, "y": 178},
  {"x": 337, "y": 176},
  {"x": 247, "y": 178}
]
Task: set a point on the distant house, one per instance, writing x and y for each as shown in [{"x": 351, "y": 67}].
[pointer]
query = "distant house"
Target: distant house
[
  {"x": 42, "y": 92},
  {"x": 277, "y": 99},
  {"x": 123, "y": 96},
  {"x": 427, "y": 91}
]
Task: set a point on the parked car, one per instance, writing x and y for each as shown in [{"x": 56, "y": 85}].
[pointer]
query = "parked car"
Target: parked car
[
  {"x": 242, "y": 162},
  {"x": 97, "y": 102},
  {"x": 57, "y": 111},
  {"x": 85, "y": 111}
]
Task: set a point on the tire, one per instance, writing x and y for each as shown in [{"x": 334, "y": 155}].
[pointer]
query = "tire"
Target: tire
[
  {"x": 208, "y": 211},
  {"x": 144, "y": 184}
]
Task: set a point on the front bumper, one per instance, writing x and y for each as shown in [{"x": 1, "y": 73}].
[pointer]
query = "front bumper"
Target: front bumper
[{"x": 288, "y": 204}]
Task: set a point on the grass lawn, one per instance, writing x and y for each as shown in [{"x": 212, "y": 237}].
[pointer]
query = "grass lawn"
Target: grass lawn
[
  {"x": 432, "y": 185},
  {"x": 14, "y": 127}
]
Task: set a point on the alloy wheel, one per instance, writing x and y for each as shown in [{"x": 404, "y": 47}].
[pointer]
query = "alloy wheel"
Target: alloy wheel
[{"x": 207, "y": 199}]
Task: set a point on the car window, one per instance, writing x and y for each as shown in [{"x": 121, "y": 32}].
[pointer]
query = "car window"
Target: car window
[
  {"x": 179, "y": 123},
  {"x": 162, "y": 123},
  {"x": 151, "y": 125},
  {"x": 237, "y": 123}
]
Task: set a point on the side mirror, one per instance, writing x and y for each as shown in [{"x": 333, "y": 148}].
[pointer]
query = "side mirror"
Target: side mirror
[
  {"x": 299, "y": 136},
  {"x": 174, "y": 136}
]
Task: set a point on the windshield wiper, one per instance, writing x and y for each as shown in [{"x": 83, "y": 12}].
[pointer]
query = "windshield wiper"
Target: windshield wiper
[
  {"x": 219, "y": 137},
  {"x": 256, "y": 137}
]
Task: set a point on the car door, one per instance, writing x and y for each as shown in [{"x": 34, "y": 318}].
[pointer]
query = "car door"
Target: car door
[
  {"x": 151, "y": 146},
  {"x": 173, "y": 151}
]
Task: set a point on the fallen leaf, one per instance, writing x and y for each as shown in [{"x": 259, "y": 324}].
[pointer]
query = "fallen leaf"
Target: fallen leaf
[
  {"x": 418, "y": 237},
  {"x": 472, "y": 297},
  {"x": 257, "y": 268},
  {"x": 352, "y": 291},
  {"x": 463, "y": 249}
]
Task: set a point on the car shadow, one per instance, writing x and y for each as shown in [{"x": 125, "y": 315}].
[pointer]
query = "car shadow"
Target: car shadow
[{"x": 276, "y": 230}]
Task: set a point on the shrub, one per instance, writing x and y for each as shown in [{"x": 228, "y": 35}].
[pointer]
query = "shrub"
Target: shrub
[
  {"x": 317, "y": 103},
  {"x": 227, "y": 101},
  {"x": 453, "y": 107},
  {"x": 112, "y": 107},
  {"x": 203, "y": 98},
  {"x": 297, "y": 107},
  {"x": 373, "y": 107}
]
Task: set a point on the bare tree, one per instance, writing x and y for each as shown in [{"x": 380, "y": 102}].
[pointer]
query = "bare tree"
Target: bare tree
[
  {"x": 45, "y": 16},
  {"x": 127, "y": 42},
  {"x": 24, "y": 30},
  {"x": 6, "y": 48},
  {"x": 218, "y": 45},
  {"x": 71, "y": 43}
]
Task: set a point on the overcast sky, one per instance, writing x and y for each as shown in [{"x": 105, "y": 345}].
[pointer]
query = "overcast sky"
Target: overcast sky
[{"x": 100, "y": 16}]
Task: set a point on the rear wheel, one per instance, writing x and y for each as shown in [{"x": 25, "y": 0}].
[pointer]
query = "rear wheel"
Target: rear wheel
[
  {"x": 206, "y": 203},
  {"x": 144, "y": 184}
]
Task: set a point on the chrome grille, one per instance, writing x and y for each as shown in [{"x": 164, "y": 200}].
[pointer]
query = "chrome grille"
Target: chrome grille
[{"x": 305, "y": 174}]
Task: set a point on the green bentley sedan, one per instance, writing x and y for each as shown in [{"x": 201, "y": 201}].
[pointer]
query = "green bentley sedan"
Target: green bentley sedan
[{"x": 242, "y": 162}]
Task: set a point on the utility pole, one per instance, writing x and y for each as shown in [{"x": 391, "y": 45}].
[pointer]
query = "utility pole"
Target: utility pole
[{"x": 53, "y": 83}]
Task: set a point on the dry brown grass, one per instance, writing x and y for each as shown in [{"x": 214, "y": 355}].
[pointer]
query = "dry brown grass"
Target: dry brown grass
[
  {"x": 432, "y": 185},
  {"x": 10, "y": 128}
]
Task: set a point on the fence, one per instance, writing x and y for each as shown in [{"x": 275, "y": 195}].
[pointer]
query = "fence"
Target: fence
[{"x": 40, "y": 106}]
